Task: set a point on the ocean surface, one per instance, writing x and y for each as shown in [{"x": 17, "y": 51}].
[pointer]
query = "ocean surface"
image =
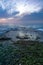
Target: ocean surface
[{"x": 4, "y": 28}]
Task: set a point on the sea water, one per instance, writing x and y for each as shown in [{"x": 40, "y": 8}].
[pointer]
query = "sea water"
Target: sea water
[
  {"x": 4, "y": 28},
  {"x": 7, "y": 28}
]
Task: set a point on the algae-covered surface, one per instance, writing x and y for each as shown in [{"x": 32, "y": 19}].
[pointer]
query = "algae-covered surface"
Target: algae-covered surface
[{"x": 21, "y": 53}]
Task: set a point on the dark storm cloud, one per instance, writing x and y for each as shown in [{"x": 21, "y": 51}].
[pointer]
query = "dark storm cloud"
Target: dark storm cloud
[{"x": 34, "y": 16}]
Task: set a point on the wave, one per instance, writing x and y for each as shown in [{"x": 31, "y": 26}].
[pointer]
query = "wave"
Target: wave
[
  {"x": 40, "y": 29},
  {"x": 35, "y": 27}
]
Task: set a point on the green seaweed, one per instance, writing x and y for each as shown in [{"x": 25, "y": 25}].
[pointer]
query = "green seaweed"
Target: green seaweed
[{"x": 22, "y": 53}]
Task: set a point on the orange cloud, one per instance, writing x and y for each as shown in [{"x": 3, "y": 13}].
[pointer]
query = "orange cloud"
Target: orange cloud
[
  {"x": 2, "y": 20},
  {"x": 10, "y": 20}
]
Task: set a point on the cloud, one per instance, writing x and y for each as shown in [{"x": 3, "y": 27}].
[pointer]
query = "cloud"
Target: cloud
[
  {"x": 21, "y": 6},
  {"x": 22, "y": 11},
  {"x": 4, "y": 14},
  {"x": 33, "y": 18},
  {"x": 10, "y": 20}
]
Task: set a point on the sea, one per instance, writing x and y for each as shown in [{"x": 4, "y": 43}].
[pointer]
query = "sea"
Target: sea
[{"x": 5, "y": 27}]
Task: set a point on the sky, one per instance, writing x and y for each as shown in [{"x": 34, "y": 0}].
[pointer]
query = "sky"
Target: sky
[{"x": 21, "y": 11}]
